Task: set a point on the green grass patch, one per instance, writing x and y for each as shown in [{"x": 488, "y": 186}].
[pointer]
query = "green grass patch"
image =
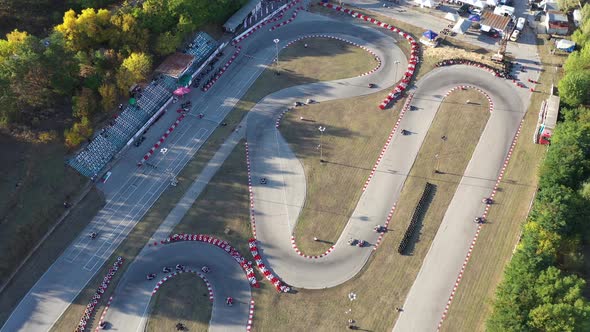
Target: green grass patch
[
  {"x": 356, "y": 130},
  {"x": 191, "y": 308}
]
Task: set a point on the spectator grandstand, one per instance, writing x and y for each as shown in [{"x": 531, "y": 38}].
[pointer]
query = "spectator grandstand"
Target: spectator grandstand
[{"x": 104, "y": 146}]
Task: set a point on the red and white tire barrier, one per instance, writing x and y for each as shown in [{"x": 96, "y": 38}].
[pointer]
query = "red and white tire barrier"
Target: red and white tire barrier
[
  {"x": 104, "y": 314},
  {"x": 263, "y": 23},
  {"x": 487, "y": 68},
  {"x": 343, "y": 40},
  {"x": 161, "y": 140},
  {"x": 414, "y": 58},
  {"x": 280, "y": 286},
  {"x": 465, "y": 87},
  {"x": 246, "y": 265},
  {"x": 294, "y": 245},
  {"x": 223, "y": 69},
  {"x": 479, "y": 227},
  {"x": 250, "y": 192},
  {"x": 389, "y": 138},
  {"x": 287, "y": 21},
  {"x": 250, "y": 316},
  {"x": 280, "y": 117},
  {"x": 89, "y": 311},
  {"x": 174, "y": 274},
  {"x": 387, "y": 221}
]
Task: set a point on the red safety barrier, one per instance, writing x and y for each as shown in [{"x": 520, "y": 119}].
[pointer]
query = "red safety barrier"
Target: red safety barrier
[
  {"x": 480, "y": 226},
  {"x": 389, "y": 138},
  {"x": 465, "y": 87},
  {"x": 246, "y": 265},
  {"x": 261, "y": 24},
  {"x": 104, "y": 313},
  {"x": 280, "y": 286},
  {"x": 160, "y": 141},
  {"x": 250, "y": 316},
  {"x": 90, "y": 308},
  {"x": 476, "y": 64},
  {"x": 250, "y": 192},
  {"x": 287, "y": 21},
  {"x": 223, "y": 69},
  {"x": 173, "y": 274},
  {"x": 397, "y": 92},
  {"x": 346, "y": 41}
]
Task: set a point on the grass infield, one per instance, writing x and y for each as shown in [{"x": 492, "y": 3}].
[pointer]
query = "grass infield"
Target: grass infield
[
  {"x": 329, "y": 309},
  {"x": 191, "y": 308}
]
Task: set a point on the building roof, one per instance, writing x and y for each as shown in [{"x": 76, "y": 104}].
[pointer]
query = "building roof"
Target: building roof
[
  {"x": 176, "y": 64},
  {"x": 236, "y": 19},
  {"x": 497, "y": 22},
  {"x": 552, "y": 112},
  {"x": 556, "y": 16},
  {"x": 549, "y": 5}
]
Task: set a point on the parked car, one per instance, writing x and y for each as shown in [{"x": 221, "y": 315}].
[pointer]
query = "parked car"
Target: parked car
[
  {"x": 139, "y": 141},
  {"x": 463, "y": 9},
  {"x": 515, "y": 35},
  {"x": 493, "y": 33},
  {"x": 520, "y": 23}
]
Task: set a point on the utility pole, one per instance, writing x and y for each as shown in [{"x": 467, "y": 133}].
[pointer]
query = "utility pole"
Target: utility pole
[
  {"x": 321, "y": 129},
  {"x": 276, "y": 41}
]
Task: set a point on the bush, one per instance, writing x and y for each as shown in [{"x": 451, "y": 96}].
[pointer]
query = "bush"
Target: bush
[
  {"x": 47, "y": 136},
  {"x": 574, "y": 88}
]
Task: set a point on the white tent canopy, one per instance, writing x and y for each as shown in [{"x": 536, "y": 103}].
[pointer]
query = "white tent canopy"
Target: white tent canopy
[
  {"x": 501, "y": 10},
  {"x": 426, "y": 3},
  {"x": 481, "y": 3},
  {"x": 577, "y": 14},
  {"x": 452, "y": 17},
  {"x": 564, "y": 44},
  {"x": 462, "y": 26}
]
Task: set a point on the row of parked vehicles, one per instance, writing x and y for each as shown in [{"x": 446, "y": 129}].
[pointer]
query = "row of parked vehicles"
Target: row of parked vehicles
[{"x": 520, "y": 23}]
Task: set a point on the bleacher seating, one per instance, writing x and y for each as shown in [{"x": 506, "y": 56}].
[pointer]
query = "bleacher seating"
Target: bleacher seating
[
  {"x": 90, "y": 161},
  {"x": 152, "y": 98},
  {"x": 167, "y": 82},
  {"x": 419, "y": 213},
  {"x": 201, "y": 47}
]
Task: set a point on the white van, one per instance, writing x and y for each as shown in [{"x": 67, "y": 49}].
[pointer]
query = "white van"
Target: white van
[{"x": 520, "y": 23}]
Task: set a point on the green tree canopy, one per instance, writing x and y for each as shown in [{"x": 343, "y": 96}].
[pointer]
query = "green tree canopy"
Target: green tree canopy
[
  {"x": 574, "y": 88},
  {"x": 567, "y": 5},
  {"x": 134, "y": 69},
  {"x": 562, "y": 307}
]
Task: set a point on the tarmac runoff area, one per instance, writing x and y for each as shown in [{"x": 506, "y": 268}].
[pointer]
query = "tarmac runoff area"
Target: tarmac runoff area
[{"x": 278, "y": 203}]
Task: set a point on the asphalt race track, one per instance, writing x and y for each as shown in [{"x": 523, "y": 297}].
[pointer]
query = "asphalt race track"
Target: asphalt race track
[
  {"x": 131, "y": 191},
  {"x": 127, "y": 312}
]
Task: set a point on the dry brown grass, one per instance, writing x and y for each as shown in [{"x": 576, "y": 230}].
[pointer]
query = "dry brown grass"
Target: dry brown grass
[
  {"x": 356, "y": 131},
  {"x": 169, "y": 306},
  {"x": 49, "y": 251},
  {"x": 472, "y": 302},
  {"x": 325, "y": 310}
]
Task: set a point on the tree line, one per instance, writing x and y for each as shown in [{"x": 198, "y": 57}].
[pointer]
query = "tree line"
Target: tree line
[
  {"x": 92, "y": 58},
  {"x": 544, "y": 287}
]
